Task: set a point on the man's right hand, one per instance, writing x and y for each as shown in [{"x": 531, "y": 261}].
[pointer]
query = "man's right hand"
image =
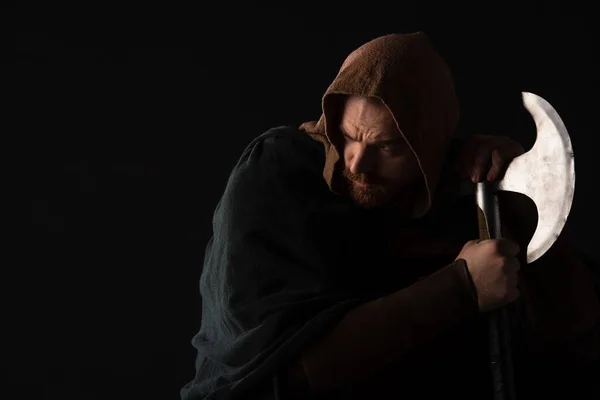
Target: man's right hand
[{"x": 493, "y": 266}]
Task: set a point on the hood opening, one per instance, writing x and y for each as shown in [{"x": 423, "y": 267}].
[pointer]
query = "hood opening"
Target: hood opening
[{"x": 411, "y": 79}]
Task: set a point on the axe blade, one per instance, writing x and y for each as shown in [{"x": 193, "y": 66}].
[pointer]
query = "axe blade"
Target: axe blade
[{"x": 545, "y": 173}]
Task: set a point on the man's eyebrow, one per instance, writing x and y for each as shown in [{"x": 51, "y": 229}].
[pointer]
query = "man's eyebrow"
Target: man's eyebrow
[
  {"x": 387, "y": 141},
  {"x": 381, "y": 142},
  {"x": 344, "y": 132}
]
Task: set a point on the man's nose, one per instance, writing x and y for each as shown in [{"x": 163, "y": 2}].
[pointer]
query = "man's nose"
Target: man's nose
[{"x": 362, "y": 161}]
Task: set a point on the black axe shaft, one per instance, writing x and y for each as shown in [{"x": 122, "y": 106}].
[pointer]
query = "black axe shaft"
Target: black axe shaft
[{"x": 500, "y": 353}]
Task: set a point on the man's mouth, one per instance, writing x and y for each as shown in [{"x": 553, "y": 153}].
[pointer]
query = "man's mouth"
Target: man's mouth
[{"x": 362, "y": 185}]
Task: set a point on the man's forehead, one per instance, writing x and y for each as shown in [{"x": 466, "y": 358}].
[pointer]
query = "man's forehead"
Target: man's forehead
[
  {"x": 369, "y": 124},
  {"x": 363, "y": 102},
  {"x": 367, "y": 107}
]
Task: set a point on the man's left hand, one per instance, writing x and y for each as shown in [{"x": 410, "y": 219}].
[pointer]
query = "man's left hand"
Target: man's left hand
[{"x": 485, "y": 157}]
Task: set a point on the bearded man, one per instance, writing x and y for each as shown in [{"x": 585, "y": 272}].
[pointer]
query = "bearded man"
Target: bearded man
[{"x": 343, "y": 263}]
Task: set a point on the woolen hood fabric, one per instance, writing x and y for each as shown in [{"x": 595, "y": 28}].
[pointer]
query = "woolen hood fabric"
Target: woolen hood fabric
[{"x": 406, "y": 73}]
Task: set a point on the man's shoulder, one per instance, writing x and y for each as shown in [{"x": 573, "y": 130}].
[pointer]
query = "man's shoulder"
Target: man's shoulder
[
  {"x": 286, "y": 146},
  {"x": 282, "y": 164},
  {"x": 288, "y": 137}
]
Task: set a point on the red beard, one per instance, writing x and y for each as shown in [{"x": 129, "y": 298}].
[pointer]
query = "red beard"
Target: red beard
[{"x": 375, "y": 194}]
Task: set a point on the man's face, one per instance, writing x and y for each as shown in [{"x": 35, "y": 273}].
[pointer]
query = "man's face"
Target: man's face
[{"x": 379, "y": 165}]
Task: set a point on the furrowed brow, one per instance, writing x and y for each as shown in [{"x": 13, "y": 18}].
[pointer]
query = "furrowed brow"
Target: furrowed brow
[{"x": 386, "y": 142}]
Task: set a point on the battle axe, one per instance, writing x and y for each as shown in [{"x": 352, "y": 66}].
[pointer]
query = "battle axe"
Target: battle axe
[{"x": 545, "y": 174}]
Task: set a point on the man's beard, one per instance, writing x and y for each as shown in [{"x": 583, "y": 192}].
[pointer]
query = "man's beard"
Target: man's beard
[{"x": 376, "y": 194}]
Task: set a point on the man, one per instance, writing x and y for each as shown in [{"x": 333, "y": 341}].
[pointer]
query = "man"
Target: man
[{"x": 343, "y": 263}]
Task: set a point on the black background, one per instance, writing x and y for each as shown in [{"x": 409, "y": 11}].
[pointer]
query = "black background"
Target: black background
[{"x": 130, "y": 119}]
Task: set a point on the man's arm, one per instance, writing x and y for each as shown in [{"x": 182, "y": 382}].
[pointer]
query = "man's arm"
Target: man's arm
[
  {"x": 396, "y": 323},
  {"x": 402, "y": 320}
]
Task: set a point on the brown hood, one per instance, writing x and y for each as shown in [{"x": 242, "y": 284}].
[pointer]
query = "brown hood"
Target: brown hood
[{"x": 406, "y": 73}]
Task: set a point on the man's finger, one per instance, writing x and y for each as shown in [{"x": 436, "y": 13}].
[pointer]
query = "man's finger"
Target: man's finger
[
  {"x": 481, "y": 163},
  {"x": 508, "y": 247},
  {"x": 497, "y": 168},
  {"x": 512, "y": 278}
]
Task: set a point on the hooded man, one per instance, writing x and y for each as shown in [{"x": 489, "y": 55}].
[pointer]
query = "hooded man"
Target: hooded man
[{"x": 343, "y": 265}]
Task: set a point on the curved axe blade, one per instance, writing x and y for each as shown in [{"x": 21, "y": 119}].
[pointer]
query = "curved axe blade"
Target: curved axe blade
[{"x": 546, "y": 174}]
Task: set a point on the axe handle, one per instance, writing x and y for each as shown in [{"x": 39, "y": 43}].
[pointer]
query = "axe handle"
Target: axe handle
[{"x": 488, "y": 214}]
